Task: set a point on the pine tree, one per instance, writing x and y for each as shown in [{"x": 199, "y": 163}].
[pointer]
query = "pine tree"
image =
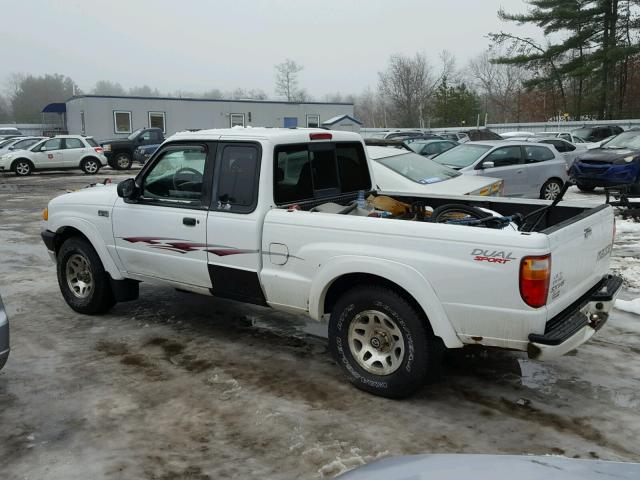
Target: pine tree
[{"x": 598, "y": 39}]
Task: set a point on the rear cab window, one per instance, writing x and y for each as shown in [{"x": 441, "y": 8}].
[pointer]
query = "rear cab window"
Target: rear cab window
[{"x": 306, "y": 172}]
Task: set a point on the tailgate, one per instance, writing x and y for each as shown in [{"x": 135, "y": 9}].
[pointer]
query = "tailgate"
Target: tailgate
[{"x": 580, "y": 255}]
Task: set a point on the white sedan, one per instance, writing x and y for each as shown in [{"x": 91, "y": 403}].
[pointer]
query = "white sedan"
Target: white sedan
[
  {"x": 57, "y": 153},
  {"x": 403, "y": 171}
]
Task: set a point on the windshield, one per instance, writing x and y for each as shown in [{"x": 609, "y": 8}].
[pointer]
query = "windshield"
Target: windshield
[
  {"x": 462, "y": 155},
  {"x": 624, "y": 140},
  {"x": 418, "y": 169},
  {"x": 380, "y": 135},
  {"x": 5, "y": 142},
  {"x": 135, "y": 134}
]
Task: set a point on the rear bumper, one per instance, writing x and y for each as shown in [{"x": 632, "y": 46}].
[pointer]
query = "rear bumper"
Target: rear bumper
[{"x": 576, "y": 324}]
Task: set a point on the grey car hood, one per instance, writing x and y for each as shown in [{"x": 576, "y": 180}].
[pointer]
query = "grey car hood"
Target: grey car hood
[{"x": 493, "y": 467}]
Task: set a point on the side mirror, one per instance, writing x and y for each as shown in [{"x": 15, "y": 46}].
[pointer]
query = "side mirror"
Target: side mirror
[
  {"x": 488, "y": 164},
  {"x": 128, "y": 189}
]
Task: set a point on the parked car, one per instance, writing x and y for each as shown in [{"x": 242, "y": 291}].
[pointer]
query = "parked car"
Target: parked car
[
  {"x": 517, "y": 135},
  {"x": 57, "y": 153},
  {"x": 430, "y": 148},
  {"x": 4, "y": 335},
  {"x": 9, "y": 132},
  {"x": 454, "y": 136},
  {"x": 119, "y": 151},
  {"x": 144, "y": 152},
  {"x": 531, "y": 170},
  {"x": 492, "y": 467},
  {"x": 278, "y": 222},
  {"x": 568, "y": 136},
  {"x": 617, "y": 162},
  {"x": 398, "y": 170},
  {"x": 568, "y": 150},
  {"x": 18, "y": 143},
  {"x": 597, "y": 133}
]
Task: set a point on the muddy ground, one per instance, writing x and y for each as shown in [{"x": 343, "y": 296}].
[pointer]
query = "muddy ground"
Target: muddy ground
[{"x": 178, "y": 386}]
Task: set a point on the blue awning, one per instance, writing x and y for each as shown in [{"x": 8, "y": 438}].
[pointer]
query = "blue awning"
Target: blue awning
[{"x": 55, "y": 108}]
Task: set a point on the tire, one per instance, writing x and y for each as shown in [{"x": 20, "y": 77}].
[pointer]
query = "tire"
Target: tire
[
  {"x": 122, "y": 161},
  {"x": 22, "y": 167},
  {"x": 551, "y": 189},
  {"x": 90, "y": 166},
  {"x": 83, "y": 281},
  {"x": 454, "y": 211},
  {"x": 585, "y": 188},
  {"x": 394, "y": 375}
]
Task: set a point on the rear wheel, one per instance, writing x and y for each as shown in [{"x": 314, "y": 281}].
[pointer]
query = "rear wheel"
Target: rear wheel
[
  {"x": 83, "y": 281},
  {"x": 122, "y": 161},
  {"x": 551, "y": 189},
  {"x": 586, "y": 188},
  {"x": 22, "y": 168},
  {"x": 380, "y": 341},
  {"x": 90, "y": 166}
]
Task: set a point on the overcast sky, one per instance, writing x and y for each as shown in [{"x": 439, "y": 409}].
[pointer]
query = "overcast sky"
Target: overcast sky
[{"x": 196, "y": 45}]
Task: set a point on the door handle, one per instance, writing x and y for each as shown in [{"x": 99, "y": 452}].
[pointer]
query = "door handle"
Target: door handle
[{"x": 189, "y": 222}]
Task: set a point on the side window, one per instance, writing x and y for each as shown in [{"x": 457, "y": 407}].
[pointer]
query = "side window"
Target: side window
[
  {"x": 53, "y": 144},
  {"x": 238, "y": 176},
  {"x": 73, "y": 143},
  {"x": 504, "y": 157},
  {"x": 177, "y": 176},
  {"x": 565, "y": 136},
  {"x": 535, "y": 154},
  {"x": 146, "y": 136},
  {"x": 156, "y": 137}
]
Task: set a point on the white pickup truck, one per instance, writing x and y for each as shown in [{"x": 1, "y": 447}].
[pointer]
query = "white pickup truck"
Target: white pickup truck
[{"x": 274, "y": 217}]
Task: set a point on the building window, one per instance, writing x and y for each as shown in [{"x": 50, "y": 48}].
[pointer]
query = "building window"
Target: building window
[
  {"x": 156, "y": 120},
  {"x": 237, "y": 119},
  {"x": 82, "y": 128},
  {"x": 121, "y": 121},
  {"x": 313, "y": 121}
]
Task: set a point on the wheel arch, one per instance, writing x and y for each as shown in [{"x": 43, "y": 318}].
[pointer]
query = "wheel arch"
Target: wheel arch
[
  {"x": 341, "y": 274},
  {"x": 82, "y": 229},
  {"x": 13, "y": 163},
  {"x": 90, "y": 157}
]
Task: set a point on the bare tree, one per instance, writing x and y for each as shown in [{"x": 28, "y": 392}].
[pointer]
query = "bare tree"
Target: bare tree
[
  {"x": 287, "y": 80},
  {"x": 407, "y": 83},
  {"x": 499, "y": 86}
]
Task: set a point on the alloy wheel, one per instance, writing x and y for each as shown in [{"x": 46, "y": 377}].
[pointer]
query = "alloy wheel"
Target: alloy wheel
[
  {"x": 23, "y": 168},
  {"x": 79, "y": 276},
  {"x": 376, "y": 342},
  {"x": 552, "y": 190}
]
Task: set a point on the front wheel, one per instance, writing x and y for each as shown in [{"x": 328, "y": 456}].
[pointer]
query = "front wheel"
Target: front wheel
[
  {"x": 90, "y": 166},
  {"x": 551, "y": 189},
  {"x": 122, "y": 161},
  {"x": 83, "y": 281},
  {"x": 22, "y": 168},
  {"x": 380, "y": 341}
]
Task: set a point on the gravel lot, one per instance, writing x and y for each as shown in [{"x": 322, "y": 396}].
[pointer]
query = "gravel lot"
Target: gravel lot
[{"x": 178, "y": 386}]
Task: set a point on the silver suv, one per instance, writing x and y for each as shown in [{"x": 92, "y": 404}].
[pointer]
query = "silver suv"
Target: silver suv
[
  {"x": 4, "y": 335},
  {"x": 531, "y": 170}
]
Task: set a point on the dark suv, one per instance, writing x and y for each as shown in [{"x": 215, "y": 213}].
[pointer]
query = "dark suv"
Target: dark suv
[{"x": 597, "y": 133}]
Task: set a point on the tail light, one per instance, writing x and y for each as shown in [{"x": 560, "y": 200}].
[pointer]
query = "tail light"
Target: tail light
[
  {"x": 98, "y": 149},
  {"x": 320, "y": 136},
  {"x": 535, "y": 273}
]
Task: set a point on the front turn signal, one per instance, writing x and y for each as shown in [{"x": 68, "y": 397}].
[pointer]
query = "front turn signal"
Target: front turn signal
[{"x": 45, "y": 214}]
